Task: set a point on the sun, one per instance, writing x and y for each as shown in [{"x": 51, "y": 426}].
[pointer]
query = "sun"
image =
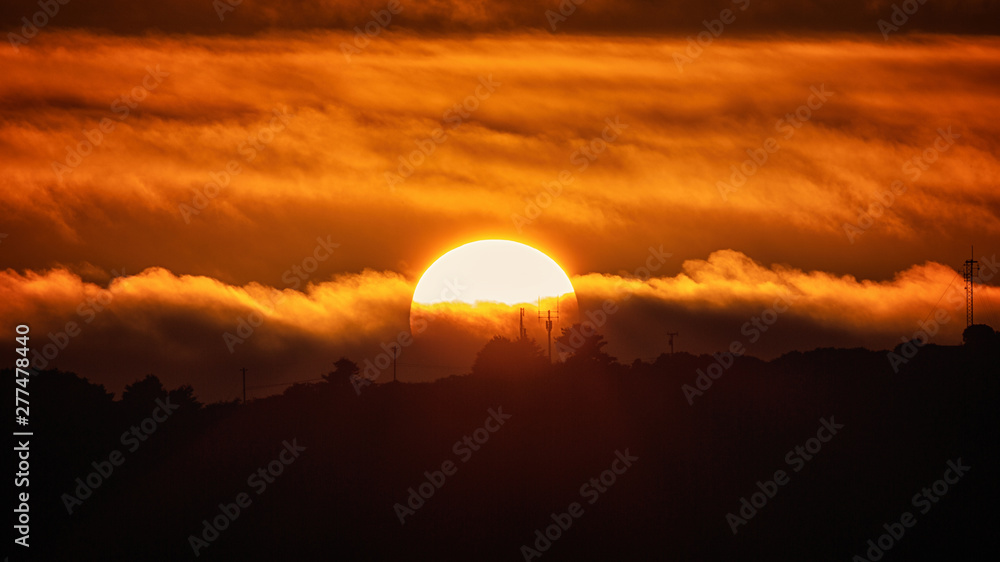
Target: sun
[{"x": 492, "y": 271}]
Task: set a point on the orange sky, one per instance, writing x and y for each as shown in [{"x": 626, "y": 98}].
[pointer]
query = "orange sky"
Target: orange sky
[{"x": 309, "y": 138}]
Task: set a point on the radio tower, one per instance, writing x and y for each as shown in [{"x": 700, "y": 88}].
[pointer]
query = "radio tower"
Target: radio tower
[
  {"x": 672, "y": 334},
  {"x": 522, "y": 333},
  {"x": 548, "y": 321},
  {"x": 970, "y": 274}
]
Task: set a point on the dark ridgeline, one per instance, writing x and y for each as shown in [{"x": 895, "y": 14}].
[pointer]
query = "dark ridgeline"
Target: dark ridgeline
[{"x": 695, "y": 461}]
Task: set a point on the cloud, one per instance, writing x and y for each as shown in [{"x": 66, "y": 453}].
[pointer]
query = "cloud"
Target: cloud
[
  {"x": 198, "y": 330},
  {"x": 194, "y": 327},
  {"x": 591, "y": 148},
  {"x": 681, "y": 135},
  {"x": 461, "y": 16}
]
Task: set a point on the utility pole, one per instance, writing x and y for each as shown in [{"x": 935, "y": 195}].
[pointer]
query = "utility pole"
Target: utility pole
[
  {"x": 672, "y": 334},
  {"x": 970, "y": 274},
  {"x": 395, "y": 353},
  {"x": 548, "y": 322},
  {"x": 244, "y": 369}
]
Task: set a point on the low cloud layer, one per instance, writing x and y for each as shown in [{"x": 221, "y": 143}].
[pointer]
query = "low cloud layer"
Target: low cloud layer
[{"x": 192, "y": 329}]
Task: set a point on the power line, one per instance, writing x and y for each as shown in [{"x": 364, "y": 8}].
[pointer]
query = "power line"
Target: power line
[
  {"x": 287, "y": 383},
  {"x": 431, "y": 365},
  {"x": 284, "y": 383},
  {"x": 991, "y": 312},
  {"x": 939, "y": 298}
]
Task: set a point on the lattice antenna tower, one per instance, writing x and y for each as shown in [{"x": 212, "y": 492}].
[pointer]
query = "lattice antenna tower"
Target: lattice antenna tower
[{"x": 970, "y": 274}]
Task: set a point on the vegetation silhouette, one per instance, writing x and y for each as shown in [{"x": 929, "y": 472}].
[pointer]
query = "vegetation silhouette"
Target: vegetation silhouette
[
  {"x": 343, "y": 373},
  {"x": 363, "y": 452},
  {"x": 503, "y": 357}
]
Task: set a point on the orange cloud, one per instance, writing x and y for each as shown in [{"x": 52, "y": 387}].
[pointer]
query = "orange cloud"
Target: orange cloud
[
  {"x": 195, "y": 328},
  {"x": 878, "y": 312},
  {"x": 533, "y": 160},
  {"x": 220, "y": 178}
]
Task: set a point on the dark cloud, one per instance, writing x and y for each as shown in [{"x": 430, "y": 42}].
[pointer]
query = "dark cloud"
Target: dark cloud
[{"x": 449, "y": 16}]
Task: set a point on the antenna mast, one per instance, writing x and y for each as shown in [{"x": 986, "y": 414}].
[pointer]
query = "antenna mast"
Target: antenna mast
[
  {"x": 672, "y": 334},
  {"x": 970, "y": 274},
  {"x": 548, "y": 321}
]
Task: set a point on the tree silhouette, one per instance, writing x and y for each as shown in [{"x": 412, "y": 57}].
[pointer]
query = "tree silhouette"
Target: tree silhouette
[
  {"x": 184, "y": 397},
  {"x": 140, "y": 396},
  {"x": 979, "y": 336},
  {"x": 580, "y": 346},
  {"x": 504, "y": 357},
  {"x": 343, "y": 370},
  {"x": 143, "y": 392}
]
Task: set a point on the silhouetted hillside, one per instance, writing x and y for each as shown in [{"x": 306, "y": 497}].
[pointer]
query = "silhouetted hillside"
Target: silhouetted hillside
[{"x": 345, "y": 459}]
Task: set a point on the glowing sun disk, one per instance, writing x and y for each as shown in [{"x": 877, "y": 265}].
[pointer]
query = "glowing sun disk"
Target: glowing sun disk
[{"x": 500, "y": 271}]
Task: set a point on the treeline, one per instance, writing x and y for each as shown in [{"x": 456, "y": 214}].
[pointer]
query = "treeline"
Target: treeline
[{"x": 323, "y": 471}]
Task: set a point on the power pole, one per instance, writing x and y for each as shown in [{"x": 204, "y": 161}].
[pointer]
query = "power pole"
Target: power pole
[
  {"x": 672, "y": 334},
  {"x": 548, "y": 322},
  {"x": 970, "y": 274},
  {"x": 395, "y": 353},
  {"x": 244, "y": 369}
]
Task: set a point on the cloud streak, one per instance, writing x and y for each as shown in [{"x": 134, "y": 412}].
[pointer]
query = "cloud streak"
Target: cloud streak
[
  {"x": 463, "y": 16},
  {"x": 181, "y": 322},
  {"x": 326, "y": 172}
]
